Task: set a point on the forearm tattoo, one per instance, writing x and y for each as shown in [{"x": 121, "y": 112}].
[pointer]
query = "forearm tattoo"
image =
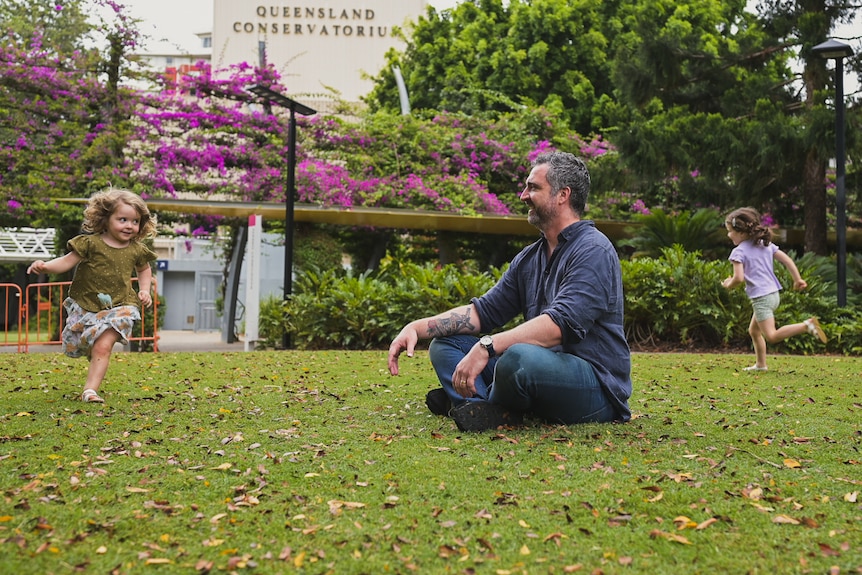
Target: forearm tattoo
[{"x": 451, "y": 325}]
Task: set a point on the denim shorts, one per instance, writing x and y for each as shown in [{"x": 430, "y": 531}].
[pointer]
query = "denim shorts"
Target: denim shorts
[{"x": 765, "y": 306}]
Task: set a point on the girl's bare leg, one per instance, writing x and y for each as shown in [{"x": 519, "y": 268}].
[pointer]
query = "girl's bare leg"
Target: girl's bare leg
[
  {"x": 754, "y": 330},
  {"x": 100, "y": 356},
  {"x": 773, "y": 335}
]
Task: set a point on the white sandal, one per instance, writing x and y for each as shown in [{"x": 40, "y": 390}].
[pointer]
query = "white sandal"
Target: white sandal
[
  {"x": 755, "y": 368},
  {"x": 815, "y": 329},
  {"x": 91, "y": 396}
]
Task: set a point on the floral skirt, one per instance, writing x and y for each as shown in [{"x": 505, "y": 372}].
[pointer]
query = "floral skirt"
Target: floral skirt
[{"x": 83, "y": 328}]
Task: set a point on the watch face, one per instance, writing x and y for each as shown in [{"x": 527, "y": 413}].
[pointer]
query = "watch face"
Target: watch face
[{"x": 486, "y": 340}]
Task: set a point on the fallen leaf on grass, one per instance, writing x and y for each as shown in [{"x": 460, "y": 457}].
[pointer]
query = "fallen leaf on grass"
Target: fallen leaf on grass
[
  {"x": 792, "y": 463},
  {"x": 828, "y": 551},
  {"x": 705, "y": 524},
  {"x": 137, "y": 490},
  {"x": 157, "y": 561},
  {"x": 669, "y": 536},
  {"x": 851, "y": 497},
  {"x": 335, "y": 505},
  {"x": 753, "y": 494},
  {"x": 785, "y": 519},
  {"x": 213, "y": 542},
  {"x": 680, "y": 477},
  {"x": 683, "y": 522},
  {"x": 447, "y": 551},
  {"x": 555, "y": 537}
]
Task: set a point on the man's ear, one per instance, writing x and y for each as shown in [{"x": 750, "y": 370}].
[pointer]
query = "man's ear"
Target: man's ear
[{"x": 564, "y": 194}]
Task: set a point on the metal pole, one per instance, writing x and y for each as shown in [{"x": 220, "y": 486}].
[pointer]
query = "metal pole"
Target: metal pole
[
  {"x": 269, "y": 97},
  {"x": 840, "y": 198},
  {"x": 290, "y": 190}
]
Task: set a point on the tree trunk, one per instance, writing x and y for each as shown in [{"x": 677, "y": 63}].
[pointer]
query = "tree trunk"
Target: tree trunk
[
  {"x": 814, "y": 194},
  {"x": 815, "y": 77},
  {"x": 447, "y": 248}
]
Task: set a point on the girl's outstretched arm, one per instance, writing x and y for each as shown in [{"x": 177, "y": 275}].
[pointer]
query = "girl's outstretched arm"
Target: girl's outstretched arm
[
  {"x": 58, "y": 265},
  {"x": 787, "y": 261}
]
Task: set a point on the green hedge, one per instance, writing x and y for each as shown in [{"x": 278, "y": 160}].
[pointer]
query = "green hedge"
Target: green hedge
[{"x": 676, "y": 298}]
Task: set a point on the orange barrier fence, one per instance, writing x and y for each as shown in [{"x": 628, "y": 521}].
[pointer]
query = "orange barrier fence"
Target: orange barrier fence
[
  {"x": 35, "y": 315},
  {"x": 10, "y": 300}
]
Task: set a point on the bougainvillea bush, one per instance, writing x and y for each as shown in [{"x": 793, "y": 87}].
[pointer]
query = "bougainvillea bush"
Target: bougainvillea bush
[{"x": 74, "y": 122}]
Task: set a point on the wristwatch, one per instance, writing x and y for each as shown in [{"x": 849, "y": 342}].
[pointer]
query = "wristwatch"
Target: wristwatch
[{"x": 487, "y": 342}]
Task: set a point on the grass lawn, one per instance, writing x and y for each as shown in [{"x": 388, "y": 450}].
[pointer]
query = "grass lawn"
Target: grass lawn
[{"x": 320, "y": 462}]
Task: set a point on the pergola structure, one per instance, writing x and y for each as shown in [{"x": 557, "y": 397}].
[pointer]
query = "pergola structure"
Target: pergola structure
[{"x": 359, "y": 216}]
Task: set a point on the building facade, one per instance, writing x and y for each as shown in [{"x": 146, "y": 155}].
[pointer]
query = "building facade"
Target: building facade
[{"x": 324, "y": 49}]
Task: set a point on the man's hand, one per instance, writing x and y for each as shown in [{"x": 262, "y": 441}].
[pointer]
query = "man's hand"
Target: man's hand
[
  {"x": 468, "y": 369},
  {"x": 405, "y": 341}
]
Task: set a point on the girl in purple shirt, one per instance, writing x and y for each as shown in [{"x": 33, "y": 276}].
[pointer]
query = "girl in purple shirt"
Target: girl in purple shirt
[{"x": 752, "y": 260}]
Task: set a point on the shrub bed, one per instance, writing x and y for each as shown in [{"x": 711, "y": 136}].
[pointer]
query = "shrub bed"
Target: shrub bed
[{"x": 676, "y": 299}]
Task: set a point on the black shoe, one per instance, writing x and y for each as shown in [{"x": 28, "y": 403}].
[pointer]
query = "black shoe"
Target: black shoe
[
  {"x": 438, "y": 402},
  {"x": 481, "y": 415}
]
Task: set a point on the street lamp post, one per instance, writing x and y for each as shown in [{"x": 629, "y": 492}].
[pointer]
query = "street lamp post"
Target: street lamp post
[
  {"x": 835, "y": 50},
  {"x": 273, "y": 97}
]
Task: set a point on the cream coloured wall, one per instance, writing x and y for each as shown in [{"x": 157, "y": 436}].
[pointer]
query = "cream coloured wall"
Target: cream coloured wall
[{"x": 314, "y": 44}]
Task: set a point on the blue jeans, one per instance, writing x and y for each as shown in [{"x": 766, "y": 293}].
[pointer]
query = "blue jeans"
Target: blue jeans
[{"x": 555, "y": 386}]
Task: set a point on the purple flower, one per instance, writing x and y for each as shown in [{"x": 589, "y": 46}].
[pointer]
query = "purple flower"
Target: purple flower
[{"x": 639, "y": 207}]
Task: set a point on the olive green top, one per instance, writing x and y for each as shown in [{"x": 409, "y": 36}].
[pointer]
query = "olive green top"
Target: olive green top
[{"x": 106, "y": 271}]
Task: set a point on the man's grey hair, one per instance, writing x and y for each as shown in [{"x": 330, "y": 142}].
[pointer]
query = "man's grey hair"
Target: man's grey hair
[{"x": 566, "y": 170}]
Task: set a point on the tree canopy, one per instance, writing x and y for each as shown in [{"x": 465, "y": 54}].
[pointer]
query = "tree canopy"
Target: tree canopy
[{"x": 706, "y": 102}]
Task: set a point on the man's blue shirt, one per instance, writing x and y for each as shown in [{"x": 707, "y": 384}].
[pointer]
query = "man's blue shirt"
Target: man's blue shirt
[{"x": 580, "y": 289}]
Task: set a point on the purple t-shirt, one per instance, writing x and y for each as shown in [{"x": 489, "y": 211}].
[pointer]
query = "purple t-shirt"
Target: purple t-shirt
[{"x": 756, "y": 260}]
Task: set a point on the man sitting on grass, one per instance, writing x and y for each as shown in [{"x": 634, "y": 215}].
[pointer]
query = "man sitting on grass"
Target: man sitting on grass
[{"x": 569, "y": 361}]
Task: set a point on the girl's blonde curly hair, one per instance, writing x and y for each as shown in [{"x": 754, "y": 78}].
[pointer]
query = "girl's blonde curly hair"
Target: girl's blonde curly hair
[{"x": 102, "y": 204}]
